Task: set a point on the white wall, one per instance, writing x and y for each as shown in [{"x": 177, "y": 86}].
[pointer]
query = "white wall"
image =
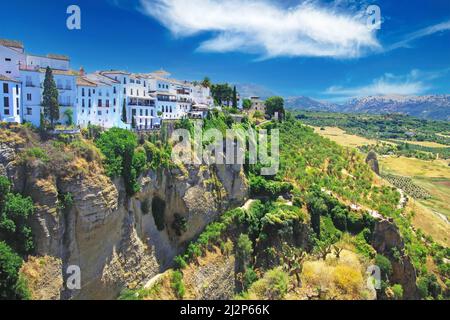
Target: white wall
[
  {"x": 10, "y": 68},
  {"x": 10, "y": 113},
  {"x": 44, "y": 62}
]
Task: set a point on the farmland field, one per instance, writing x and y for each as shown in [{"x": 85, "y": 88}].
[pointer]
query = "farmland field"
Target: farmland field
[
  {"x": 339, "y": 136},
  {"x": 410, "y": 167},
  {"x": 424, "y": 143}
]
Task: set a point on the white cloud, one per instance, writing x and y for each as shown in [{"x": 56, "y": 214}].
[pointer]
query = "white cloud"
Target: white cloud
[
  {"x": 267, "y": 28},
  {"x": 440, "y": 27},
  {"x": 388, "y": 84}
]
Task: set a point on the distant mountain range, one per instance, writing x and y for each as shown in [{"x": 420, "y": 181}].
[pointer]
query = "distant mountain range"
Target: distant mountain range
[{"x": 435, "y": 107}]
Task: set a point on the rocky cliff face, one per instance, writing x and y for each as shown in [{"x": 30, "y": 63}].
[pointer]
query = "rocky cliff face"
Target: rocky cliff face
[
  {"x": 388, "y": 242},
  {"x": 109, "y": 236}
]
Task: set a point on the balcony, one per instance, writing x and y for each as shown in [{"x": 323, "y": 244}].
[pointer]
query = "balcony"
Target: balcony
[{"x": 141, "y": 102}]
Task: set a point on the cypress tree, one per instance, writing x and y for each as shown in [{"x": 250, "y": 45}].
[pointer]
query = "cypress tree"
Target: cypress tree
[
  {"x": 124, "y": 112},
  {"x": 235, "y": 103},
  {"x": 50, "y": 98}
]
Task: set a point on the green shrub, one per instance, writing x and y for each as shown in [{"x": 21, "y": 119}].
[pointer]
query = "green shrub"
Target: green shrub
[
  {"x": 385, "y": 266},
  {"x": 273, "y": 286},
  {"x": 177, "y": 284},
  {"x": 118, "y": 146},
  {"x": 179, "y": 262},
  {"x": 397, "y": 289},
  {"x": 35, "y": 153},
  {"x": 250, "y": 277},
  {"x": 12, "y": 285},
  {"x": 14, "y": 222}
]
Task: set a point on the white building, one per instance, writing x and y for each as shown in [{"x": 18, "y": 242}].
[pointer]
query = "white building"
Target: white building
[
  {"x": 33, "y": 76},
  {"x": 97, "y": 98},
  {"x": 133, "y": 93},
  {"x": 11, "y": 57},
  {"x": 10, "y": 93}
]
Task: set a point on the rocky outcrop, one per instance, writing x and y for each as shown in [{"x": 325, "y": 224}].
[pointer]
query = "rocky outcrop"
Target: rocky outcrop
[
  {"x": 388, "y": 242},
  {"x": 109, "y": 236}
]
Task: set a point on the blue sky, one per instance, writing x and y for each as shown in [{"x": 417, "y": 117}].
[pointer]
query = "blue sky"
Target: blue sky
[{"x": 322, "y": 49}]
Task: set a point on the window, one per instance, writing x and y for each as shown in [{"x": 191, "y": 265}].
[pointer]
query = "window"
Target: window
[
  {"x": 28, "y": 81},
  {"x": 17, "y": 89},
  {"x": 99, "y": 113},
  {"x": 8, "y": 59},
  {"x": 6, "y": 102},
  {"x": 89, "y": 103},
  {"x": 100, "y": 93},
  {"x": 29, "y": 112},
  {"x": 5, "y": 88},
  {"x": 107, "y": 103},
  {"x": 6, "y": 112},
  {"x": 99, "y": 103},
  {"x": 29, "y": 97},
  {"x": 124, "y": 80},
  {"x": 82, "y": 92},
  {"x": 124, "y": 90},
  {"x": 17, "y": 106},
  {"x": 68, "y": 85},
  {"x": 8, "y": 72},
  {"x": 114, "y": 102},
  {"x": 83, "y": 103},
  {"x": 115, "y": 90},
  {"x": 131, "y": 92},
  {"x": 89, "y": 92}
]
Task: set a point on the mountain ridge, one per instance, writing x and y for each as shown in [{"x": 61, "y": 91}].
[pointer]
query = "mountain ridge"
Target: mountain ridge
[{"x": 433, "y": 107}]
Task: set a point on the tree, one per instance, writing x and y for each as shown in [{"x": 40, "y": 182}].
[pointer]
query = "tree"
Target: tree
[
  {"x": 275, "y": 104},
  {"x": 247, "y": 104},
  {"x": 50, "y": 98},
  {"x": 235, "y": 102},
  {"x": 12, "y": 285},
  {"x": 69, "y": 115},
  {"x": 222, "y": 93},
  {"x": 292, "y": 259},
  {"x": 206, "y": 82},
  {"x": 244, "y": 251},
  {"x": 14, "y": 222},
  {"x": 317, "y": 207},
  {"x": 124, "y": 112},
  {"x": 5, "y": 187},
  {"x": 273, "y": 286},
  {"x": 121, "y": 159}
]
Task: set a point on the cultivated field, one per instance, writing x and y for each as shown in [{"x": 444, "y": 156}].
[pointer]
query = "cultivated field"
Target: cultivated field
[
  {"x": 410, "y": 167},
  {"x": 339, "y": 136},
  {"x": 424, "y": 143},
  {"x": 429, "y": 222}
]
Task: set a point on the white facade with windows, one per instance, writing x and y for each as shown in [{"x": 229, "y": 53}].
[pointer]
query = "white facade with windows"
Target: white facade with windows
[
  {"x": 97, "y": 98},
  {"x": 10, "y": 94},
  {"x": 32, "y": 79}
]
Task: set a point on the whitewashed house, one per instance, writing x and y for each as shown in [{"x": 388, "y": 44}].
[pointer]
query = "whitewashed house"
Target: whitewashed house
[
  {"x": 33, "y": 76},
  {"x": 11, "y": 57},
  {"x": 133, "y": 93},
  {"x": 10, "y": 94},
  {"x": 99, "y": 98}
]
